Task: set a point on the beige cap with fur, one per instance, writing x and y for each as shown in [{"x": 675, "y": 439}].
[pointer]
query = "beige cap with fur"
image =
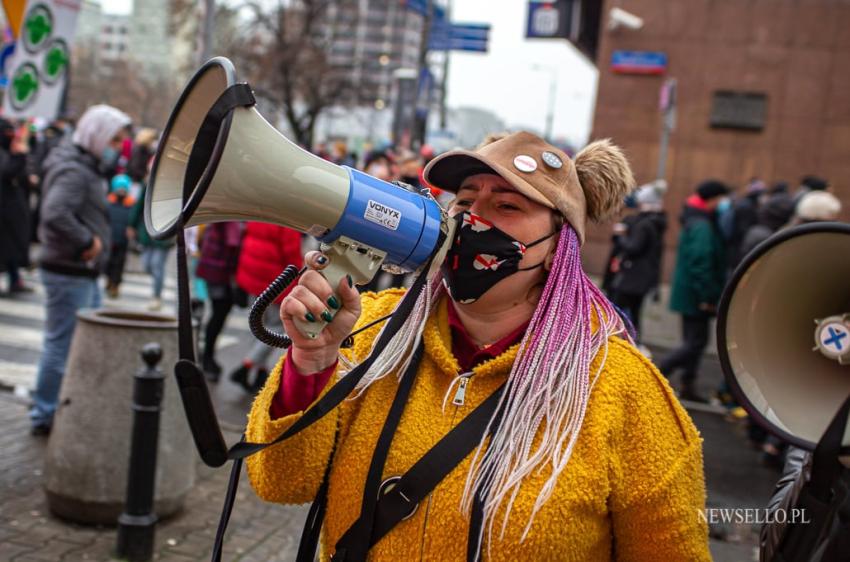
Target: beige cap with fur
[{"x": 591, "y": 187}]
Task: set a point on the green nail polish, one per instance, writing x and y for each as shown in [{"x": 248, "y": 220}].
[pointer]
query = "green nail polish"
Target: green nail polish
[
  {"x": 332, "y": 302},
  {"x": 350, "y": 280},
  {"x": 326, "y": 316},
  {"x": 309, "y": 317}
]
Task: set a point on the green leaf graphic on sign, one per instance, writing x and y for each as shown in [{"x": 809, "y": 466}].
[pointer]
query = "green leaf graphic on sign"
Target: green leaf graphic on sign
[
  {"x": 39, "y": 28},
  {"x": 24, "y": 85},
  {"x": 56, "y": 61}
]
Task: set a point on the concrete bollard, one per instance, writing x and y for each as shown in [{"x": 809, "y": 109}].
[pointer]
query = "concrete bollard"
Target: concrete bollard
[{"x": 86, "y": 464}]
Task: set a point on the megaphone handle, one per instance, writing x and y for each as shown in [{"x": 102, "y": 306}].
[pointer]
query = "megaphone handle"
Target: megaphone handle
[{"x": 345, "y": 258}]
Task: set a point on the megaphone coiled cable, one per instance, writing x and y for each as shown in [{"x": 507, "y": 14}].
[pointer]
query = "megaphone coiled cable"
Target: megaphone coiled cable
[
  {"x": 272, "y": 292},
  {"x": 258, "y": 309}
]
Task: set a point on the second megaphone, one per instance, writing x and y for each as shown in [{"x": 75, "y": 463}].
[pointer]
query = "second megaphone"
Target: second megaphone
[{"x": 220, "y": 160}]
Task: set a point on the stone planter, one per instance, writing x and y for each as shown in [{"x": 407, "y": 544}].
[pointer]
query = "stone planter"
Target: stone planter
[{"x": 89, "y": 447}]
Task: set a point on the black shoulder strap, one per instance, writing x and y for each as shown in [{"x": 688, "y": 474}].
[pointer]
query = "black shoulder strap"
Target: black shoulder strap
[
  {"x": 316, "y": 516},
  {"x": 433, "y": 467},
  {"x": 397, "y": 502},
  {"x": 357, "y": 549}
]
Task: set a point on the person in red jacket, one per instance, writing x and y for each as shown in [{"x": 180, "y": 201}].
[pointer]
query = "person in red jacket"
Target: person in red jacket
[{"x": 266, "y": 251}]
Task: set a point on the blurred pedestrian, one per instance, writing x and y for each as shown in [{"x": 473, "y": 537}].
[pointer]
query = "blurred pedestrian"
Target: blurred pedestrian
[
  {"x": 612, "y": 264},
  {"x": 217, "y": 266},
  {"x": 120, "y": 208},
  {"x": 744, "y": 216},
  {"x": 342, "y": 156},
  {"x": 816, "y": 206},
  {"x": 14, "y": 204},
  {"x": 75, "y": 236},
  {"x": 154, "y": 252},
  {"x": 410, "y": 169},
  {"x": 774, "y": 213},
  {"x": 809, "y": 184},
  {"x": 381, "y": 164},
  {"x": 144, "y": 148},
  {"x": 641, "y": 245},
  {"x": 698, "y": 281},
  {"x": 266, "y": 251},
  {"x": 57, "y": 131}
]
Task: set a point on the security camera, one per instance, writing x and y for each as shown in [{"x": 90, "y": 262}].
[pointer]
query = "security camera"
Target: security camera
[{"x": 618, "y": 17}]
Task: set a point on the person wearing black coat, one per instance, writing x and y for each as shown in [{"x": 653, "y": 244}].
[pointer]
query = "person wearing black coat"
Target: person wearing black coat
[
  {"x": 640, "y": 247},
  {"x": 745, "y": 216},
  {"x": 14, "y": 207},
  {"x": 772, "y": 215},
  {"x": 143, "y": 151}
]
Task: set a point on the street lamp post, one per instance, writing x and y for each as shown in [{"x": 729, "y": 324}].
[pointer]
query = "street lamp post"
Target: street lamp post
[{"x": 553, "y": 90}]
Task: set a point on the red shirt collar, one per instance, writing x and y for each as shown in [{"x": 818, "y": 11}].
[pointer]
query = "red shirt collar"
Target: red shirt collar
[{"x": 467, "y": 353}]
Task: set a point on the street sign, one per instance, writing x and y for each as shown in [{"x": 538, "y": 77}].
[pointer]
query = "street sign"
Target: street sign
[
  {"x": 639, "y": 62},
  {"x": 550, "y": 19},
  {"x": 447, "y": 36},
  {"x": 38, "y": 70}
]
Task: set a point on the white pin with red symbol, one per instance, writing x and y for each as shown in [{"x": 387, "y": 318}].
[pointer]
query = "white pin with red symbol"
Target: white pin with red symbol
[{"x": 525, "y": 163}]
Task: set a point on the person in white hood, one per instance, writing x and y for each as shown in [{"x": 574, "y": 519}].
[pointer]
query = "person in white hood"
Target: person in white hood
[{"x": 75, "y": 234}]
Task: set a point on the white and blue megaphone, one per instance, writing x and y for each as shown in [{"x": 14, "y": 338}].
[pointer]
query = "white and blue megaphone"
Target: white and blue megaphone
[{"x": 220, "y": 160}]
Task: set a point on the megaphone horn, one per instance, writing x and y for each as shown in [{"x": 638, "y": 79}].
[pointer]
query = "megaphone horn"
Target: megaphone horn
[
  {"x": 220, "y": 160},
  {"x": 789, "y": 292}
]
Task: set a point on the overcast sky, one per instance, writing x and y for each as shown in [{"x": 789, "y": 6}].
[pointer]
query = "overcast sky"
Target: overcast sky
[{"x": 513, "y": 79}]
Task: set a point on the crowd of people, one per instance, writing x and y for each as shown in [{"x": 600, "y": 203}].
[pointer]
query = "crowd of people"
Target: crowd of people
[
  {"x": 78, "y": 190},
  {"x": 718, "y": 228}
]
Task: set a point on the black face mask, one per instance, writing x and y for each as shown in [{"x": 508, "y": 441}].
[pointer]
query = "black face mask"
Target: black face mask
[{"x": 481, "y": 255}]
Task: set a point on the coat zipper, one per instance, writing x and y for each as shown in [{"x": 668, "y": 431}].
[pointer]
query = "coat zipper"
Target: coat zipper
[{"x": 458, "y": 400}]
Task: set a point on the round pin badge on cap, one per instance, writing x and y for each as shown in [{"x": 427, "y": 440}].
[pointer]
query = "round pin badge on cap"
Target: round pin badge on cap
[
  {"x": 525, "y": 163},
  {"x": 551, "y": 159}
]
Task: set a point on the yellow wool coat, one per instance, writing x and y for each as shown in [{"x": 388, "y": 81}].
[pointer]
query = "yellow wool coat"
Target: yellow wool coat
[{"x": 633, "y": 488}]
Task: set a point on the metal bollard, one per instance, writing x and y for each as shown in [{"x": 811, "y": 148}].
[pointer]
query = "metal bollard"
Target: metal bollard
[{"x": 137, "y": 524}]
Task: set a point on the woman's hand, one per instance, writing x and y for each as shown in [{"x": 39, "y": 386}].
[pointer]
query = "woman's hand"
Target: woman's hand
[{"x": 308, "y": 301}]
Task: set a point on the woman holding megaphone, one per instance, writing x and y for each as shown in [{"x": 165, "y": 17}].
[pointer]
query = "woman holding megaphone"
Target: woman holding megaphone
[{"x": 510, "y": 416}]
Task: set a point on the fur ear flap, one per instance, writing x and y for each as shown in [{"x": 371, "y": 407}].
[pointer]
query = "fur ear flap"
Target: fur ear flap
[{"x": 605, "y": 178}]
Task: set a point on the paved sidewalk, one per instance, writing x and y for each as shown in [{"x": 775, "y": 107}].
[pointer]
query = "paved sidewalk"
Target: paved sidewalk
[{"x": 258, "y": 531}]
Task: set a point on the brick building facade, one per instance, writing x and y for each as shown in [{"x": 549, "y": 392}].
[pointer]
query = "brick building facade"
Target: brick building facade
[{"x": 788, "y": 60}]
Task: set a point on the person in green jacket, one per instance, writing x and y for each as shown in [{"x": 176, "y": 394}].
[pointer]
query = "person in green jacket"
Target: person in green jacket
[{"x": 697, "y": 282}]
